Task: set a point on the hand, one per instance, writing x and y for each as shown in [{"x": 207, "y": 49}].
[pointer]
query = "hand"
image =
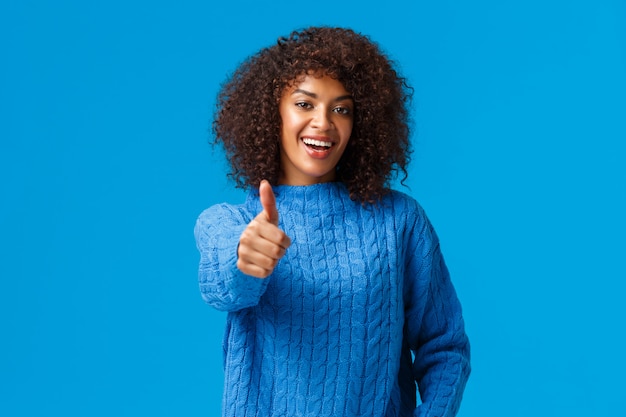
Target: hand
[{"x": 262, "y": 243}]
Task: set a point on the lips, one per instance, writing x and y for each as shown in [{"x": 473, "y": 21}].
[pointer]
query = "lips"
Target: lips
[{"x": 317, "y": 147}]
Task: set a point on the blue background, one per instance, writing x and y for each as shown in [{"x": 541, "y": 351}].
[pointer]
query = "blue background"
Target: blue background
[{"x": 105, "y": 109}]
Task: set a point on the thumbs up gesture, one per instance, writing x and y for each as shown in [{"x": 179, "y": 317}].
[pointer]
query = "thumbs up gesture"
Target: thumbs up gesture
[{"x": 262, "y": 243}]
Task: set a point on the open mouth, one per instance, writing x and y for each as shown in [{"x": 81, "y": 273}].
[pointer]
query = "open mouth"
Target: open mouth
[{"x": 317, "y": 145}]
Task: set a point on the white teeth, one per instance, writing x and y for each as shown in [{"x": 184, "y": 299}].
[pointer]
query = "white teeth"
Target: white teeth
[{"x": 309, "y": 141}]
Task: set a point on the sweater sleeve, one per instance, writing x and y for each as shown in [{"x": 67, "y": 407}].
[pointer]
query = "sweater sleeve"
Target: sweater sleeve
[
  {"x": 222, "y": 284},
  {"x": 434, "y": 325}
]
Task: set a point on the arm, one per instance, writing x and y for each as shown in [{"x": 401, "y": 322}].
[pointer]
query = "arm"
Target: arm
[
  {"x": 222, "y": 284},
  {"x": 435, "y": 326},
  {"x": 237, "y": 253}
]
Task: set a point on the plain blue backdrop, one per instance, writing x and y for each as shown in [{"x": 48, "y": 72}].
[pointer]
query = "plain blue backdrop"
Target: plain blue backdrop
[{"x": 105, "y": 107}]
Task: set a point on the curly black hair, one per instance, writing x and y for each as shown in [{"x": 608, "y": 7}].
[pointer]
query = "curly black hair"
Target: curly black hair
[{"x": 247, "y": 121}]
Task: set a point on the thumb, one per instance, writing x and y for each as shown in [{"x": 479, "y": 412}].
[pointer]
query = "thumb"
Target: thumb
[{"x": 268, "y": 201}]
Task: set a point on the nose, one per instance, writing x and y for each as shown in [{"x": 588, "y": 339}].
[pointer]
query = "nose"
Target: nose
[{"x": 321, "y": 120}]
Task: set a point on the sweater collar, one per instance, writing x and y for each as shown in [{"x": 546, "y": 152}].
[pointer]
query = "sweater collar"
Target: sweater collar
[{"x": 326, "y": 197}]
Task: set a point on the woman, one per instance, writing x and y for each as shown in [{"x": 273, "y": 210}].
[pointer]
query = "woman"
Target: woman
[{"x": 339, "y": 301}]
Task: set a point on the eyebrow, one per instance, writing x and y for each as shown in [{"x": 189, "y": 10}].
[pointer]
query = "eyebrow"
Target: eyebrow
[{"x": 313, "y": 95}]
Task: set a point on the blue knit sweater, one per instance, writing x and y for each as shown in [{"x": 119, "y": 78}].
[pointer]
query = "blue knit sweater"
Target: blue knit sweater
[{"x": 358, "y": 312}]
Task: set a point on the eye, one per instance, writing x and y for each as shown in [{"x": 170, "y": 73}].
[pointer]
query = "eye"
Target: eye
[
  {"x": 345, "y": 111},
  {"x": 304, "y": 105}
]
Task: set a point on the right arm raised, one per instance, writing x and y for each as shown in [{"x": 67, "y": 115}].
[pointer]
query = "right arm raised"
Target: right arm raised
[{"x": 236, "y": 253}]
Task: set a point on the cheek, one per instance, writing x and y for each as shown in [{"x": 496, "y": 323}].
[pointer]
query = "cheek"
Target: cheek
[
  {"x": 289, "y": 122},
  {"x": 347, "y": 130}
]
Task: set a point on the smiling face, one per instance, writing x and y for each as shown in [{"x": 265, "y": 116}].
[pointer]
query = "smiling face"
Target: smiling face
[{"x": 317, "y": 117}]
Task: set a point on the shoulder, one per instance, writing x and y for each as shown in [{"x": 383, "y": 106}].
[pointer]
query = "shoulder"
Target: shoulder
[
  {"x": 223, "y": 213},
  {"x": 409, "y": 214},
  {"x": 403, "y": 204}
]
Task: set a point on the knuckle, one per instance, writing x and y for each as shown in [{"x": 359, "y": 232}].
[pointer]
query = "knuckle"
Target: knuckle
[
  {"x": 267, "y": 263},
  {"x": 252, "y": 226},
  {"x": 262, "y": 273},
  {"x": 276, "y": 252},
  {"x": 242, "y": 266},
  {"x": 242, "y": 251},
  {"x": 279, "y": 236},
  {"x": 245, "y": 239}
]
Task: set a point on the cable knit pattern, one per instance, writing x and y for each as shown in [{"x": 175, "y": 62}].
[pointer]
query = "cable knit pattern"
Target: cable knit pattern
[{"x": 333, "y": 331}]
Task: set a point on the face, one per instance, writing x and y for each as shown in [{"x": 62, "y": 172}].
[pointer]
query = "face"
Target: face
[{"x": 317, "y": 117}]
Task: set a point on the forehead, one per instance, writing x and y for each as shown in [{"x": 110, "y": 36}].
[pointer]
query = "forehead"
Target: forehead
[{"x": 318, "y": 84}]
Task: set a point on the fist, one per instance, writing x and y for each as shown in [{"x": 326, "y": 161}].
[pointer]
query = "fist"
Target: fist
[{"x": 262, "y": 244}]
